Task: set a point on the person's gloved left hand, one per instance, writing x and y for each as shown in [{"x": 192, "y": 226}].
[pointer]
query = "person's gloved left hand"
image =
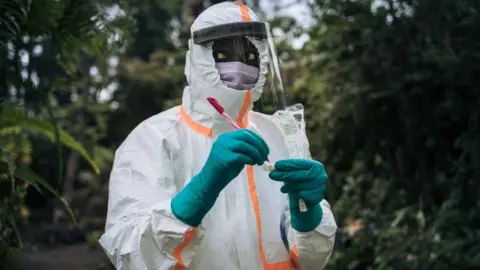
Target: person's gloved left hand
[{"x": 303, "y": 179}]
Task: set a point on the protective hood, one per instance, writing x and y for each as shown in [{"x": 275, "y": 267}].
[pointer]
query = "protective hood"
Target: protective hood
[{"x": 203, "y": 77}]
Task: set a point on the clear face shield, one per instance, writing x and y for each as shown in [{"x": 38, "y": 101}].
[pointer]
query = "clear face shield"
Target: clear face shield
[
  {"x": 242, "y": 51},
  {"x": 274, "y": 96}
]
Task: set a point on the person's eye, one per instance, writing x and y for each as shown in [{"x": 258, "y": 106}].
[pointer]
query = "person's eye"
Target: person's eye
[{"x": 221, "y": 56}]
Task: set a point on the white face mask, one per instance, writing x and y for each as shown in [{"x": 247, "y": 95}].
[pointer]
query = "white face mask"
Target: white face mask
[{"x": 237, "y": 75}]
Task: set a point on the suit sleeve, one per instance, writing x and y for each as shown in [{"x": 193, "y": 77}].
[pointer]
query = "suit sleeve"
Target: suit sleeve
[
  {"x": 141, "y": 231},
  {"x": 312, "y": 250}
]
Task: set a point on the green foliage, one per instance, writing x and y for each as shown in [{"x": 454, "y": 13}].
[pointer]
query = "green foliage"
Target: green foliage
[
  {"x": 24, "y": 173},
  {"x": 393, "y": 111},
  {"x": 154, "y": 22},
  {"x": 92, "y": 240},
  {"x": 12, "y": 204},
  {"x": 13, "y": 14},
  {"x": 12, "y": 116},
  {"x": 151, "y": 74},
  {"x": 68, "y": 33}
]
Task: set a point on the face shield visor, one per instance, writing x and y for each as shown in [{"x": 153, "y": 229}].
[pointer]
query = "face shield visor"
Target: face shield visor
[{"x": 242, "y": 52}]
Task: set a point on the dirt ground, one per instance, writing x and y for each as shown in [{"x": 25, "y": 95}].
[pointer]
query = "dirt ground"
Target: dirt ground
[{"x": 74, "y": 257}]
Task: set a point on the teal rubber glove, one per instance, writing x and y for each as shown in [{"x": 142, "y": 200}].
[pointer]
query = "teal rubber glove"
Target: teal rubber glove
[
  {"x": 303, "y": 179},
  {"x": 228, "y": 156}
]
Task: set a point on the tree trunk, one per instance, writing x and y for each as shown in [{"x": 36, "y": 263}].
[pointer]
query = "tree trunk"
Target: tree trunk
[{"x": 74, "y": 157}]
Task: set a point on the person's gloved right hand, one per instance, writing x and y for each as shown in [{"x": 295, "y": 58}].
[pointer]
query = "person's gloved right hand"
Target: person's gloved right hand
[{"x": 228, "y": 156}]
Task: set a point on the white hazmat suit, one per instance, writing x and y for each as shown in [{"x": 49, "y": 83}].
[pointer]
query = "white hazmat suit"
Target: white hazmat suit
[{"x": 161, "y": 155}]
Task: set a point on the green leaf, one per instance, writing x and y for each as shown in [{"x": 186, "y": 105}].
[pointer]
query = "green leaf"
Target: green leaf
[
  {"x": 26, "y": 174},
  {"x": 16, "y": 231},
  {"x": 17, "y": 253},
  {"x": 11, "y": 165},
  {"x": 11, "y": 115},
  {"x": 9, "y": 131},
  {"x": 400, "y": 216},
  {"x": 10, "y": 168},
  {"x": 70, "y": 142}
]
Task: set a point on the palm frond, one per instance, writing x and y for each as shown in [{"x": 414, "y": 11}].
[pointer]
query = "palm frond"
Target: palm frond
[
  {"x": 11, "y": 115},
  {"x": 25, "y": 147},
  {"x": 24, "y": 173},
  {"x": 103, "y": 156},
  {"x": 10, "y": 131},
  {"x": 13, "y": 17},
  {"x": 7, "y": 165}
]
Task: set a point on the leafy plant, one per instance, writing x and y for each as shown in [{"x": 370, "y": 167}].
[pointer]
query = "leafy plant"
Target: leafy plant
[
  {"x": 17, "y": 119},
  {"x": 15, "y": 122},
  {"x": 13, "y": 15},
  {"x": 65, "y": 31},
  {"x": 394, "y": 116}
]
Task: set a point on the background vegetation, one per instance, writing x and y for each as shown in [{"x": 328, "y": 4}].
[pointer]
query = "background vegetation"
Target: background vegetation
[{"x": 392, "y": 103}]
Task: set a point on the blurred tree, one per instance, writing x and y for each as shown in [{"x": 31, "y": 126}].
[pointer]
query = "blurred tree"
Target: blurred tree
[
  {"x": 41, "y": 46},
  {"x": 392, "y": 102},
  {"x": 149, "y": 74}
]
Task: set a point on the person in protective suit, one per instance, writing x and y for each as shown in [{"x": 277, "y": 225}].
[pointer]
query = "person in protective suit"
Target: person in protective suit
[{"x": 186, "y": 191}]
